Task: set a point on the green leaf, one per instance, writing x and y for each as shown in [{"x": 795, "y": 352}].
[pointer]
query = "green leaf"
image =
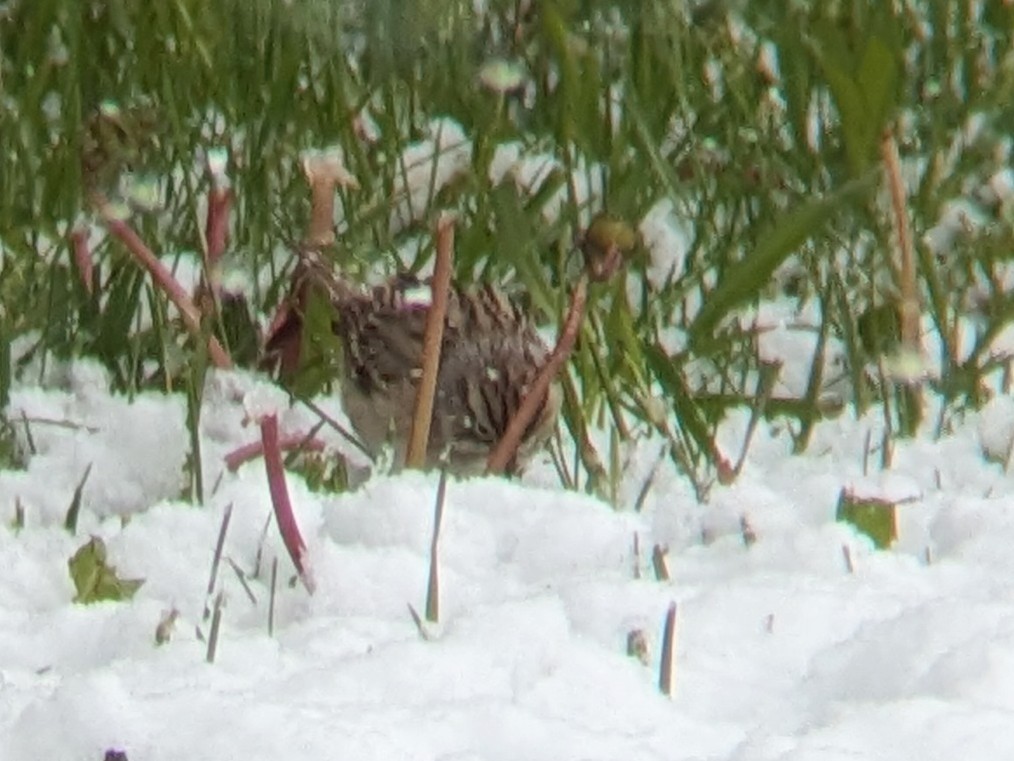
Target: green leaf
[
  {"x": 746, "y": 278},
  {"x": 94, "y": 579},
  {"x": 320, "y": 348},
  {"x": 5, "y": 368},
  {"x": 864, "y": 87},
  {"x": 870, "y": 516},
  {"x": 877, "y": 79},
  {"x": 688, "y": 412}
]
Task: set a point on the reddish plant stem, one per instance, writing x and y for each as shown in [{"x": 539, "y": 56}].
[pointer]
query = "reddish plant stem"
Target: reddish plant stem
[
  {"x": 247, "y": 452},
  {"x": 508, "y": 444},
  {"x": 325, "y": 172},
  {"x": 284, "y": 516},
  {"x": 83, "y": 258},
  {"x": 216, "y": 228},
  {"x": 165, "y": 281}
]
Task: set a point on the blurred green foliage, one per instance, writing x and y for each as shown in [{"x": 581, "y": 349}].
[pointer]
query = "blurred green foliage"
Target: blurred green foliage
[{"x": 760, "y": 124}]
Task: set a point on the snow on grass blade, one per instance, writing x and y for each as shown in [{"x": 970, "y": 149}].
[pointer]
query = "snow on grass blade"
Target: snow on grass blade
[{"x": 287, "y": 525}]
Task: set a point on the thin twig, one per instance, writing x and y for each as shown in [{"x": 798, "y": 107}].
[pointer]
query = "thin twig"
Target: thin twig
[
  {"x": 846, "y": 553},
  {"x": 536, "y": 396},
  {"x": 419, "y": 624},
  {"x": 559, "y": 460},
  {"x": 642, "y": 495},
  {"x": 637, "y": 555},
  {"x": 584, "y": 448},
  {"x": 29, "y": 439},
  {"x": 433, "y": 337},
  {"x": 68, "y": 424},
  {"x": 242, "y": 580},
  {"x": 341, "y": 430},
  {"x": 216, "y": 622},
  {"x": 259, "y": 555},
  {"x": 765, "y": 387},
  {"x": 271, "y": 601},
  {"x": 216, "y": 559},
  {"x": 667, "y": 665}
]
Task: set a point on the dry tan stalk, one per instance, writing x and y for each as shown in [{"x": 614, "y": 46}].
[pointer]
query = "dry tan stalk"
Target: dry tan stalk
[
  {"x": 433, "y": 337},
  {"x": 908, "y": 308}
]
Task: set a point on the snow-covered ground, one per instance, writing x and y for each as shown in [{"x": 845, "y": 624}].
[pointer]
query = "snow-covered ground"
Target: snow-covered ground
[{"x": 781, "y": 651}]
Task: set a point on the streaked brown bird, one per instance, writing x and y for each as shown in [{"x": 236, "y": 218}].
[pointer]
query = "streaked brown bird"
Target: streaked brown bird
[{"x": 490, "y": 355}]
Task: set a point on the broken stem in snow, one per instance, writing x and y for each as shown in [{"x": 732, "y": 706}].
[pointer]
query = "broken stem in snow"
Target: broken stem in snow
[
  {"x": 659, "y": 563},
  {"x": 667, "y": 664},
  {"x": 433, "y": 585},
  {"x": 216, "y": 623},
  {"x": 271, "y": 602},
  {"x": 216, "y": 559}
]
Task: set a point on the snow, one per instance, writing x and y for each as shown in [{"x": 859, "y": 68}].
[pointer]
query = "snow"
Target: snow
[
  {"x": 781, "y": 653},
  {"x": 426, "y": 167}
]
